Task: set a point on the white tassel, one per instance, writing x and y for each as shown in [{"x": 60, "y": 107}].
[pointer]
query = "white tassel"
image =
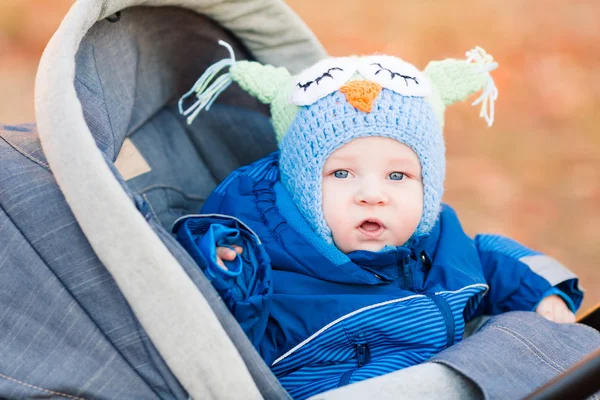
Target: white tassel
[
  {"x": 206, "y": 92},
  {"x": 479, "y": 57}
]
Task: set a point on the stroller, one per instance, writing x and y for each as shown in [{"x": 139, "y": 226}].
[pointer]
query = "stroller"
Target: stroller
[{"x": 98, "y": 299}]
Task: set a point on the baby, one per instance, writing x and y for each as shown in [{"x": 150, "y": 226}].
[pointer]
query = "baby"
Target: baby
[{"x": 336, "y": 254}]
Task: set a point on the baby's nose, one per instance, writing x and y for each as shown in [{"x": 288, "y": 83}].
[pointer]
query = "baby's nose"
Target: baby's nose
[{"x": 371, "y": 195}]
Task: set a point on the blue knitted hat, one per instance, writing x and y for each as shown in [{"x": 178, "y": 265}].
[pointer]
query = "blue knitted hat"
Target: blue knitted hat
[
  {"x": 340, "y": 99},
  {"x": 323, "y": 127}
]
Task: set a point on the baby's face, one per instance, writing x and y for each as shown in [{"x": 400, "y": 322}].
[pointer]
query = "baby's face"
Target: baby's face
[{"x": 372, "y": 194}]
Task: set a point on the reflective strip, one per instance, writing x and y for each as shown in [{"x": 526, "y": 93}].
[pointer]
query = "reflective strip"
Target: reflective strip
[
  {"x": 548, "y": 268},
  {"x": 466, "y": 288},
  {"x": 503, "y": 245}
]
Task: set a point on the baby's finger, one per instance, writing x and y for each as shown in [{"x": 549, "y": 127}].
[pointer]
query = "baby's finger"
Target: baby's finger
[
  {"x": 559, "y": 317},
  {"x": 221, "y": 264},
  {"x": 238, "y": 249},
  {"x": 562, "y": 313},
  {"x": 226, "y": 253},
  {"x": 548, "y": 314},
  {"x": 545, "y": 311},
  {"x": 567, "y": 317}
]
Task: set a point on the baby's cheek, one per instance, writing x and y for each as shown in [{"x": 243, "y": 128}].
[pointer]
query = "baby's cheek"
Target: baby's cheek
[
  {"x": 412, "y": 203},
  {"x": 342, "y": 240},
  {"x": 330, "y": 208},
  {"x": 335, "y": 221}
]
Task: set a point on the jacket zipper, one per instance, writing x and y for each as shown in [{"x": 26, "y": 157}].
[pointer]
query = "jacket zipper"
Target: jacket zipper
[
  {"x": 363, "y": 356},
  {"x": 405, "y": 277},
  {"x": 408, "y": 276},
  {"x": 444, "y": 308}
]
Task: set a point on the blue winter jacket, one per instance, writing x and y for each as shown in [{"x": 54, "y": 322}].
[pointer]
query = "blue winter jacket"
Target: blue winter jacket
[{"x": 323, "y": 319}]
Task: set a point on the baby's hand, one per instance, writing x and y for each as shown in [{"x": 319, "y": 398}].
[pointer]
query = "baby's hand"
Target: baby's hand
[
  {"x": 225, "y": 253},
  {"x": 555, "y": 309}
]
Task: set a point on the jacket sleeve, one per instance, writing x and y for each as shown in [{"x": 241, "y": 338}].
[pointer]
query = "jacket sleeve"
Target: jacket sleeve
[
  {"x": 245, "y": 286},
  {"x": 519, "y": 278}
]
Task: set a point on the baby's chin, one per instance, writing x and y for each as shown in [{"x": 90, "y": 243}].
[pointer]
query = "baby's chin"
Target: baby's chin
[{"x": 366, "y": 246}]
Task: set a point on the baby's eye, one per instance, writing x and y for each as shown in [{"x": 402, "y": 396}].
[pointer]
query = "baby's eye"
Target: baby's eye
[
  {"x": 341, "y": 173},
  {"x": 396, "y": 176}
]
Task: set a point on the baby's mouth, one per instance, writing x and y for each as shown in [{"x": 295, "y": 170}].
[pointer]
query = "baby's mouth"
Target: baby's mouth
[{"x": 371, "y": 228}]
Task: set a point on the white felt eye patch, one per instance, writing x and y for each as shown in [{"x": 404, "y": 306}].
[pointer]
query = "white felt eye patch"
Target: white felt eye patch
[
  {"x": 322, "y": 79},
  {"x": 394, "y": 74}
]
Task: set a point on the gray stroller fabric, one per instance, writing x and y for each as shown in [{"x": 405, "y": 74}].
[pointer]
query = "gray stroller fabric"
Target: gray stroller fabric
[
  {"x": 129, "y": 90},
  {"x": 128, "y": 77},
  {"x": 66, "y": 330},
  {"x": 97, "y": 299}
]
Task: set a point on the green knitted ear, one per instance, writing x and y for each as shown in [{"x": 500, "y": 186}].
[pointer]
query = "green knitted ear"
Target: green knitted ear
[
  {"x": 262, "y": 81},
  {"x": 270, "y": 85},
  {"x": 283, "y": 112},
  {"x": 455, "y": 80}
]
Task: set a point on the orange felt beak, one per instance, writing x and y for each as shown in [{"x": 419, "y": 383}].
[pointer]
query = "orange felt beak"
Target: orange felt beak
[{"x": 361, "y": 94}]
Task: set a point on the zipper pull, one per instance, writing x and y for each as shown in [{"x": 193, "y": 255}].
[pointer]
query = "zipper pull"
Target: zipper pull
[{"x": 363, "y": 354}]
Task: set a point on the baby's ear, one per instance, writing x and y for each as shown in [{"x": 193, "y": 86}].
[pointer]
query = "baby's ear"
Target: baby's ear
[{"x": 264, "y": 82}]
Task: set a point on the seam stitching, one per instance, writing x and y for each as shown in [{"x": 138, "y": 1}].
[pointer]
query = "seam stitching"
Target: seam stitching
[
  {"x": 112, "y": 132},
  {"x": 537, "y": 352},
  {"x": 26, "y": 154},
  {"x": 151, "y": 208},
  {"x": 39, "y": 388}
]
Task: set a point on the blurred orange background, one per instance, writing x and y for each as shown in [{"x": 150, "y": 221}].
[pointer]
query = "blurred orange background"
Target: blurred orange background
[{"x": 533, "y": 176}]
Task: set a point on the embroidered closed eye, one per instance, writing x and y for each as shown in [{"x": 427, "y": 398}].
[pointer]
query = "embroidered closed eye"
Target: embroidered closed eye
[
  {"x": 395, "y": 74},
  {"x": 322, "y": 79},
  {"x": 325, "y": 75}
]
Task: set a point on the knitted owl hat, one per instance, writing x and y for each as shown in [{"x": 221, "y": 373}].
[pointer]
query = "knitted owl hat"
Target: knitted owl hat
[{"x": 340, "y": 99}]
